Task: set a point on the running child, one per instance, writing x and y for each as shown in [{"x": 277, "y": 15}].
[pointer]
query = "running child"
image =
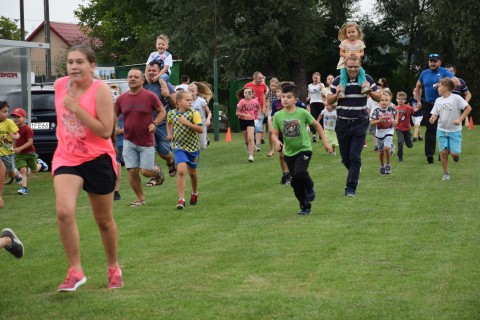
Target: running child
[
  {"x": 201, "y": 106},
  {"x": 248, "y": 110},
  {"x": 450, "y": 110},
  {"x": 384, "y": 118},
  {"x": 292, "y": 122},
  {"x": 404, "y": 135},
  {"x": 8, "y": 133},
  {"x": 25, "y": 156},
  {"x": 183, "y": 127}
]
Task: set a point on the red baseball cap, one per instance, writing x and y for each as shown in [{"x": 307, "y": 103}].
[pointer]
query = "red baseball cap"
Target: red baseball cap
[{"x": 19, "y": 112}]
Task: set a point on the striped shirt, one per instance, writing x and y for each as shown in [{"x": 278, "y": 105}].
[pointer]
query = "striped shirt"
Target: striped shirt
[{"x": 354, "y": 105}]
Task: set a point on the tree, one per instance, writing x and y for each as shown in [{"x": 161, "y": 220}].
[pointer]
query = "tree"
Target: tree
[
  {"x": 124, "y": 29},
  {"x": 9, "y": 29}
]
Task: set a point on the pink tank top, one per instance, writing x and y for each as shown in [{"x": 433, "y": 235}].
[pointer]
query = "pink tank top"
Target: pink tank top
[{"x": 76, "y": 142}]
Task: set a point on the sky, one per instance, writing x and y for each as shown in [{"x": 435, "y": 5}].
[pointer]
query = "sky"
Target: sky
[{"x": 62, "y": 11}]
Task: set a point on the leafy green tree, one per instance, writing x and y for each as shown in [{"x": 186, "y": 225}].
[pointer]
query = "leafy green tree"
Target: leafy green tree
[
  {"x": 123, "y": 29},
  {"x": 9, "y": 29}
]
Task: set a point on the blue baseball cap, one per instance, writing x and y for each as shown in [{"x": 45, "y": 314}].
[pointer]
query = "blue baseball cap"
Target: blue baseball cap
[{"x": 434, "y": 56}]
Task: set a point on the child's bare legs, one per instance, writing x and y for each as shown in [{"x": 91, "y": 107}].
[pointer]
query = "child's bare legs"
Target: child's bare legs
[
  {"x": 192, "y": 172},
  {"x": 23, "y": 173},
  {"x": 181, "y": 173},
  {"x": 67, "y": 187},
  {"x": 102, "y": 207},
  {"x": 388, "y": 154},
  {"x": 258, "y": 138},
  {"x": 444, "y": 157},
  {"x": 283, "y": 164},
  {"x": 119, "y": 177},
  {"x": 381, "y": 156},
  {"x": 416, "y": 131},
  {"x": 248, "y": 136}
]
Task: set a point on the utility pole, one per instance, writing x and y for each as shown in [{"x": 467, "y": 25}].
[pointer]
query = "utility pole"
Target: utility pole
[
  {"x": 216, "y": 122},
  {"x": 48, "y": 52}
]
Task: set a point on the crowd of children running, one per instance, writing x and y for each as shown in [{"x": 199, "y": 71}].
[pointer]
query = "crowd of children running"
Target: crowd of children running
[{"x": 86, "y": 158}]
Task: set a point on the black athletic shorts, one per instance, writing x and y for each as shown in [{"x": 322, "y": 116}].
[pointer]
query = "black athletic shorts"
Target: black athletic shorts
[{"x": 98, "y": 174}]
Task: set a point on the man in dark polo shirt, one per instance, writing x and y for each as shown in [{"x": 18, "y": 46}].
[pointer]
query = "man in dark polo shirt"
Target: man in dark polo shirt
[{"x": 352, "y": 120}]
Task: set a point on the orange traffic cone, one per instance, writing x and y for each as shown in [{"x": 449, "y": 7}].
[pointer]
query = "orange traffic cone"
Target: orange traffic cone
[
  {"x": 228, "y": 137},
  {"x": 470, "y": 124}
]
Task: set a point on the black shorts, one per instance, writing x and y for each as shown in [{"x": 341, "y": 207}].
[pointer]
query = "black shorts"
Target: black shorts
[
  {"x": 98, "y": 174},
  {"x": 246, "y": 123}
]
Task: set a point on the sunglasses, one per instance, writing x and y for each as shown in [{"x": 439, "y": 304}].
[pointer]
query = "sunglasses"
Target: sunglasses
[{"x": 434, "y": 56}]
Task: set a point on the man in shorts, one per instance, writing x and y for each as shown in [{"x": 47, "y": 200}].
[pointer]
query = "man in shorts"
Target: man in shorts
[{"x": 137, "y": 106}]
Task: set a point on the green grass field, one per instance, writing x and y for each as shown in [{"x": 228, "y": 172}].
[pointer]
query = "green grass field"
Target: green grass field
[{"x": 407, "y": 247}]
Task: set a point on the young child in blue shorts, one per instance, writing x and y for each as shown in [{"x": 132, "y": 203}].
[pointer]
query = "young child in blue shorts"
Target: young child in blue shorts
[
  {"x": 450, "y": 110},
  {"x": 186, "y": 124}
]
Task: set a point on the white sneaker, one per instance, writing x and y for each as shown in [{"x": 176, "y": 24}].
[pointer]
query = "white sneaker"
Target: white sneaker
[
  {"x": 446, "y": 176},
  {"x": 250, "y": 158}
]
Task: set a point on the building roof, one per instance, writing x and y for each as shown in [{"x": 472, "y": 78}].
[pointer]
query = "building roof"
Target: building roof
[{"x": 70, "y": 33}]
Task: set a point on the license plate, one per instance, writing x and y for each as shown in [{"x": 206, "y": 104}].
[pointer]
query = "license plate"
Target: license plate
[{"x": 40, "y": 125}]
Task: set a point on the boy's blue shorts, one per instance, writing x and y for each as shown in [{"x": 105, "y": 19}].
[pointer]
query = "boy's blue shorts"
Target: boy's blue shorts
[
  {"x": 451, "y": 141},
  {"x": 190, "y": 158}
]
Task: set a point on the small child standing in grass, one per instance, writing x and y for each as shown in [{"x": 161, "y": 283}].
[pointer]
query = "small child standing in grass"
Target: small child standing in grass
[
  {"x": 186, "y": 124},
  {"x": 384, "y": 118},
  {"x": 450, "y": 110},
  {"x": 25, "y": 157},
  {"x": 292, "y": 122},
  {"x": 8, "y": 133}
]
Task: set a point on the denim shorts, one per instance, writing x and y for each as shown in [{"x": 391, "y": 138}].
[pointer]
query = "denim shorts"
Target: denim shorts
[
  {"x": 451, "y": 141},
  {"x": 9, "y": 162},
  {"x": 259, "y": 124},
  {"x": 161, "y": 143},
  {"x": 138, "y": 156}
]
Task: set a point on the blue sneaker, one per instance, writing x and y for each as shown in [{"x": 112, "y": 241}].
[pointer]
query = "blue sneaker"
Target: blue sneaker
[
  {"x": 43, "y": 164},
  {"x": 310, "y": 194},
  {"x": 23, "y": 191}
]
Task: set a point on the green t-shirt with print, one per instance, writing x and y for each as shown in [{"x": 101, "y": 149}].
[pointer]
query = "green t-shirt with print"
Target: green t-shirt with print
[{"x": 293, "y": 128}]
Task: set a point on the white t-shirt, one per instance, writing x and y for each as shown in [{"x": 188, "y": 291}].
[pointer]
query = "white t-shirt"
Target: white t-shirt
[
  {"x": 329, "y": 119},
  {"x": 448, "y": 109},
  {"x": 199, "y": 105},
  {"x": 315, "y": 91},
  {"x": 166, "y": 57}
]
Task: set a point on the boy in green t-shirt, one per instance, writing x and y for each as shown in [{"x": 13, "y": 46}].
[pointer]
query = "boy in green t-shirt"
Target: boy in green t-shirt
[{"x": 290, "y": 133}]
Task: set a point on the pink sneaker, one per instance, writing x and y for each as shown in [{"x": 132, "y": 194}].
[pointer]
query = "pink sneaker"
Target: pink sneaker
[
  {"x": 114, "y": 278},
  {"x": 73, "y": 280}
]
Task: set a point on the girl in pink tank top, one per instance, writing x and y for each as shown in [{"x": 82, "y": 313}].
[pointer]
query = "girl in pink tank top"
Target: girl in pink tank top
[{"x": 84, "y": 158}]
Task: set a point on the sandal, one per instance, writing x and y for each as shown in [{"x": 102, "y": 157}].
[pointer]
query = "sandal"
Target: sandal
[
  {"x": 172, "y": 169},
  {"x": 157, "y": 179},
  {"x": 138, "y": 203}
]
